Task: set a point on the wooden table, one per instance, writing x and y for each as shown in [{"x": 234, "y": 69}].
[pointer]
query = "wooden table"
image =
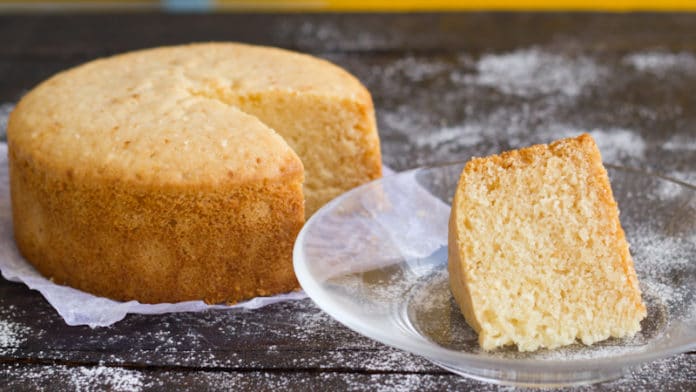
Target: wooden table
[{"x": 446, "y": 87}]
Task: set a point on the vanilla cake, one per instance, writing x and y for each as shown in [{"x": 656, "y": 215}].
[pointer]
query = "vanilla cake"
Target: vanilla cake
[
  {"x": 537, "y": 256},
  {"x": 184, "y": 172}
]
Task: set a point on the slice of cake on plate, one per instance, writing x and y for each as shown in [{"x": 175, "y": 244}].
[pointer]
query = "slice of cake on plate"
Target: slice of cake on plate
[{"x": 537, "y": 255}]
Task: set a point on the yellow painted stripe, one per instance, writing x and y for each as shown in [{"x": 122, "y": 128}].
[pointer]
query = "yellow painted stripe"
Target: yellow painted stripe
[
  {"x": 424, "y": 5},
  {"x": 411, "y": 5}
]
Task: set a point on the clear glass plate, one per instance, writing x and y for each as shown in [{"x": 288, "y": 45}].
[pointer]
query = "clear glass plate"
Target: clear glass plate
[{"x": 375, "y": 259}]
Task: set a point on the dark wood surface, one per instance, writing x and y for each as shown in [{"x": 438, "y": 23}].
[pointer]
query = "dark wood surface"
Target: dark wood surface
[{"x": 446, "y": 87}]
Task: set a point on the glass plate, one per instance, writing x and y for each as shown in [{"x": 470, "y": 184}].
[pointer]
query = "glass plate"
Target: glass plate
[{"x": 375, "y": 259}]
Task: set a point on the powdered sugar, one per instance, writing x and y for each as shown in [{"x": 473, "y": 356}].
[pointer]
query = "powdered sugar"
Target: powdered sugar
[
  {"x": 463, "y": 135},
  {"x": 83, "y": 378},
  {"x": 668, "y": 190},
  {"x": 618, "y": 144},
  {"x": 415, "y": 69},
  {"x": 531, "y": 72},
  {"x": 687, "y": 176},
  {"x": 658, "y": 63},
  {"x": 101, "y": 377},
  {"x": 545, "y": 86},
  {"x": 12, "y": 334},
  {"x": 681, "y": 142},
  {"x": 615, "y": 144},
  {"x": 329, "y": 35}
]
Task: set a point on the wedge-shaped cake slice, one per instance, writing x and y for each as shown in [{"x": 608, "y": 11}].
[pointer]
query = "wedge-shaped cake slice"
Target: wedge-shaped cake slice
[{"x": 537, "y": 256}]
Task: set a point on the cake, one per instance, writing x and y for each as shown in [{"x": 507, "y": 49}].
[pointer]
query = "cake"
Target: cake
[
  {"x": 537, "y": 255},
  {"x": 184, "y": 172}
]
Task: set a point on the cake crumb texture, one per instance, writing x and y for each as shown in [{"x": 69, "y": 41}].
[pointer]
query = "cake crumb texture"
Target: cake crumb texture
[{"x": 537, "y": 255}]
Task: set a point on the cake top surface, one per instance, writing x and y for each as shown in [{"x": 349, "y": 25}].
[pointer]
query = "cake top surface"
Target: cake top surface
[{"x": 155, "y": 115}]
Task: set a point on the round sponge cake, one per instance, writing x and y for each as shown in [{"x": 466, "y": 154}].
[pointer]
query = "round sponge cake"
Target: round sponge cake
[{"x": 177, "y": 173}]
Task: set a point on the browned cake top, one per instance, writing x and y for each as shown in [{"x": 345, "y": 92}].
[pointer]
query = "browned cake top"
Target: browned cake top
[{"x": 152, "y": 116}]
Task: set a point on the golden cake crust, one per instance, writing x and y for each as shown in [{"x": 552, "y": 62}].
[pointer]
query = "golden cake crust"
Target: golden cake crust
[
  {"x": 167, "y": 244},
  {"x": 139, "y": 177}
]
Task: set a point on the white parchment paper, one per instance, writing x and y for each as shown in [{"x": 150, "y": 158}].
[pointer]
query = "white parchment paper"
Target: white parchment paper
[{"x": 384, "y": 223}]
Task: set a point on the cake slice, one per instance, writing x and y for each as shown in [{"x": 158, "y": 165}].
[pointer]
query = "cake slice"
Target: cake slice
[{"x": 537, "y": 255}]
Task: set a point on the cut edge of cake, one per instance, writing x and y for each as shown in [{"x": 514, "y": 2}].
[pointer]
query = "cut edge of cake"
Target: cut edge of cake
[{"x": 489, "y": 311}]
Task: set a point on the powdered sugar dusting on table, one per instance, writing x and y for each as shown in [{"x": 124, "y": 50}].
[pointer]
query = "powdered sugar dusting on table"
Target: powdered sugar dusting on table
[
  {"x": 683, "y": 175},
  {"x": 681, "y": 142},
  {"x": 88, "y": 379},
  {"x": 12, "y": 334},
  {"x": 464, "y": 135},
  {"x": 619, "y": 144},
  {"x": 330, "y": 35},
  {"x": 415, "y": 69},
  {"x": 658, "y": 63},
  {"x": 531, "y": 72},
  {"x": 545, "y": 86},
  {"x": 101, "y": 377}
]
